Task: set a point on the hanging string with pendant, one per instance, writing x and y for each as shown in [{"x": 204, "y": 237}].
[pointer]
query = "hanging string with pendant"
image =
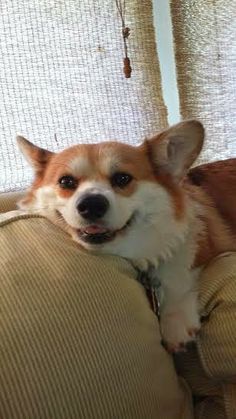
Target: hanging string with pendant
[{"x": 127, "y": 69}]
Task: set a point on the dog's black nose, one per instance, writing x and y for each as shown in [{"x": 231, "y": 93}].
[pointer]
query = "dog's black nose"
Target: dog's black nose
[{"x": 93, "y": 206}]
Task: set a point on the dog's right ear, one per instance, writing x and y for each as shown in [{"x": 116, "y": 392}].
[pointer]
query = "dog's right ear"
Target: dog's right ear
[{"x": 37, "y": 157}]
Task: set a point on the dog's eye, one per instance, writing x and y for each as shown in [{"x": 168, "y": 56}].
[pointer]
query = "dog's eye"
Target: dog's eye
[
  {"x": 68, "y": 182},
  {"x": 121, "y": 179}
]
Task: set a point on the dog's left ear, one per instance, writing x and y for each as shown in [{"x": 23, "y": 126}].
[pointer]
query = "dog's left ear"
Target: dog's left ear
[
  {"x": 37, "y": 157},
  {"x": 174, "y": 150}
]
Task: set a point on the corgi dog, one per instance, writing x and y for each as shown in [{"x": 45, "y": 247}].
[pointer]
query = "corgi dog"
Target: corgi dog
[{"x": 135, "y": 202}]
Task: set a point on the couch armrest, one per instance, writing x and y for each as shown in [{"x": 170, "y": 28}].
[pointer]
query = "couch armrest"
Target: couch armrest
[{"x": 9, "y": 200}]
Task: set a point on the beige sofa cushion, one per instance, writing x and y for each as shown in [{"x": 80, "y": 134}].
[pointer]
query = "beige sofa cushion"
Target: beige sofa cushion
[
  {"x": 210, "y": 367},
  {"x": 79, "y": 339},
  {"x": 8, "y": 201}
]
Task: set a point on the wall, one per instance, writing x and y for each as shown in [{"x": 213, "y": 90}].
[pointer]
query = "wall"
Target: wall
[{"x": 163, "y": 28}]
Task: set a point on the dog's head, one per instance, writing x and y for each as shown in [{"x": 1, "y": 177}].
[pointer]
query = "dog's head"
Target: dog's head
[{"x": 110, "y": 196}]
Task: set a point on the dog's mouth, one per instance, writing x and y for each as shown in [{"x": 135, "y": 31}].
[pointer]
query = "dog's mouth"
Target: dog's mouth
[{"x": 98, "y": 234}]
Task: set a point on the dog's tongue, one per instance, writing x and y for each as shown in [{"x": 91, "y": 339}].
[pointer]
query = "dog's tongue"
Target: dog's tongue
[{"x": 95, "y": 229}]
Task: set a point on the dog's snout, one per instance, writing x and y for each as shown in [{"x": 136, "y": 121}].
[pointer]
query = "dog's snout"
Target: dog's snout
[{"x": 93, "y": 206}]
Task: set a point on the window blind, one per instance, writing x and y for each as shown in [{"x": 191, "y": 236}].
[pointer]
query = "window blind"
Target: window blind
[
  {"x": 205, "y": 46},
  {"x": 62, "y": 81}
]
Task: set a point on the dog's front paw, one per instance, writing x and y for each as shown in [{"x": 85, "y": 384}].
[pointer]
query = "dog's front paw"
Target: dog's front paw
[
  {"x": 144, "y": 264},
  {"x": 178, "y": 329},
  {"x": 140, "y": 264}
]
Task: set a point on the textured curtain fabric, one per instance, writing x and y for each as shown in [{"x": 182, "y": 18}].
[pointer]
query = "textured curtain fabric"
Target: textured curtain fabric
[
  {"x": 62, "y": 81},
  {"x": 205, "y": 46}
]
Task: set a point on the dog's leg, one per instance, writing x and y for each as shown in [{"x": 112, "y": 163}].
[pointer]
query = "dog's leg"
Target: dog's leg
[{"x": 179, "y": 308}]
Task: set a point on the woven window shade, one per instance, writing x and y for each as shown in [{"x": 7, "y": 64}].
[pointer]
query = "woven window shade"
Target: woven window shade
[
  {"x": 62, "y": 78},
  {"x": 205, "y": 46}
]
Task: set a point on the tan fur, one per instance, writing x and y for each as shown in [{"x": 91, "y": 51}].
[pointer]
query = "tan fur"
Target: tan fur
[
  {"x": 159, "y": 219},
  {"x": 217, "y": 236},
  {"x": 218, "y": 180},
  {"x": 217, "y": 200}
]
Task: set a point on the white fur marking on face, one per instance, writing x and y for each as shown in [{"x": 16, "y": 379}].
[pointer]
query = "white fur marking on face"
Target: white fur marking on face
[
  {"x": 153, "y": 209},
  {"x": 108, "y": 161},
  {"x": 155, "y": 233},
  {"x": 92, "y": 186},
  {"x": 70, "y": 212},
  {"x": 46, "y": 199},
  {"x": 80, "y": 166}
]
